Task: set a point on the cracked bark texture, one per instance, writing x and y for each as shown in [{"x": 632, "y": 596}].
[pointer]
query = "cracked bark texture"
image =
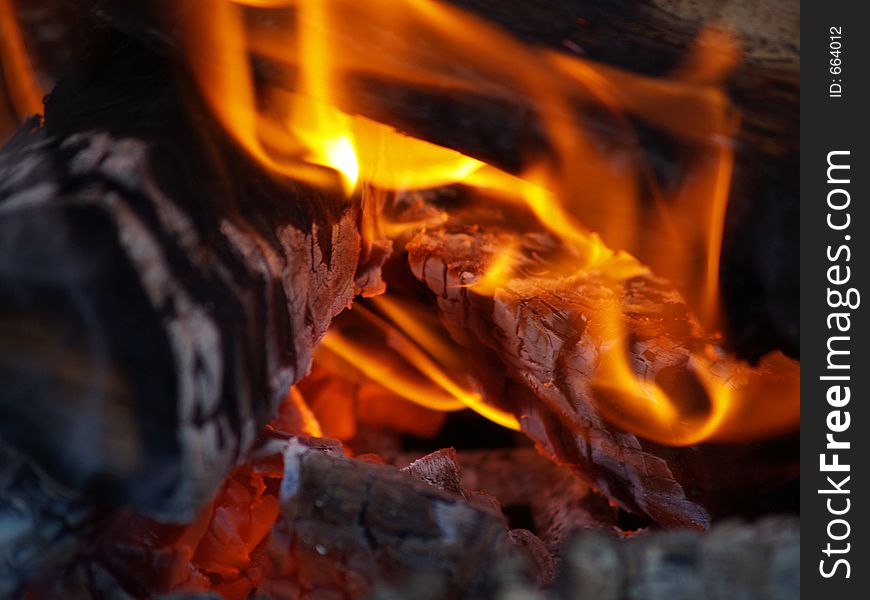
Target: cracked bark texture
[{"x": 534, "y": 346}]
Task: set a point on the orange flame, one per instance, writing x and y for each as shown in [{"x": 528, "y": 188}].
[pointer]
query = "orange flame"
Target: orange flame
[
  {"x": 414, "y": 363},
  {"x": 16, "y": 72},
  {"x": 723, "y": 405},
  {"x": 299, "y": 120}
]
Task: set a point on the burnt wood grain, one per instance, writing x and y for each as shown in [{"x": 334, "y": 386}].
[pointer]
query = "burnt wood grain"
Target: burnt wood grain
[{"x": 535, "y": 344}]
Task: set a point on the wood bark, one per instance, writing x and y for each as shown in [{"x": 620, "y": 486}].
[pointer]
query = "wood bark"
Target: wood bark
[{"x": 159, "y": 292}]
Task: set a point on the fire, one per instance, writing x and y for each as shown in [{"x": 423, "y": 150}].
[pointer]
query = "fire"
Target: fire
[
  {"x": 724, "y": 406},
  {"x": 300, "y": 119},
  {"x": 415, "y": 362},
  {"x": 17, "y": 76}
]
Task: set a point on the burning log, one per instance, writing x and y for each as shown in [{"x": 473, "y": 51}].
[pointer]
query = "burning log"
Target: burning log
[
  {"x": 492, "y": 115},
  {"x": 554, "y": 336},
  {"x": 200, "y": 202},
  {"x": 644, "y": 36},
  {"x": 159, "y": 292}
]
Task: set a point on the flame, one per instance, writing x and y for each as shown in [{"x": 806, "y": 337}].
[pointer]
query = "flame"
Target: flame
[
  {"x": 722, "y": 404},
  {"x": 16, "y": 72},
  {"x": 717, "y": 398},
  {"x": 408, "y": 364},
  {"x": 298, "y": 115}
]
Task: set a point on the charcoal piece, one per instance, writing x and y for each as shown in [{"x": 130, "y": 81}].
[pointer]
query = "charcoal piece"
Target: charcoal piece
[
  {"x": 440, "y": 468},
  {"x": 350, "y": 529}
]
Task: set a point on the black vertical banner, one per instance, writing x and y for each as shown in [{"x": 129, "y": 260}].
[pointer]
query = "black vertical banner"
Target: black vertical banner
[{"x": 835, "y": 262}]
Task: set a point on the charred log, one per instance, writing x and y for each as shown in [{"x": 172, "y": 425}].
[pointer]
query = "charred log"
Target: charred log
[
  {"x": 159, "y": 292},
  {"x": 546, "y": 341},
  {"x": 547, "y": 498}
]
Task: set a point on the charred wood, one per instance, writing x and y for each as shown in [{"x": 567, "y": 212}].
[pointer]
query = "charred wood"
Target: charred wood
[
  {"x": 559, "y": 502},
  {"x": 522, "y": 479},
  {"x": 41, "y": 522},
  {"x": 733, "y": 560},
  {"x": 159, "y": 292},
  {"x": 348, "y": 529},
  {"x": 535, "y": 351}
]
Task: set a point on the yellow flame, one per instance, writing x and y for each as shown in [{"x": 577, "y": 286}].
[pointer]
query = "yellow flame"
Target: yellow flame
[
  {"x": 715, "y": 229},
  {"x": 401, "y": 373},
  {"x": 322, "y": 128},
  {"x": 738, "y": 406},
  {"x": 499, "y": 271},
  {"x": 592, "y": 189},
  {"x": 303, "y": 124}
]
